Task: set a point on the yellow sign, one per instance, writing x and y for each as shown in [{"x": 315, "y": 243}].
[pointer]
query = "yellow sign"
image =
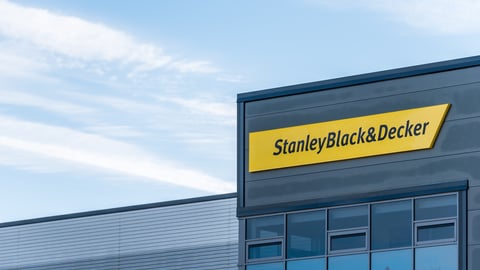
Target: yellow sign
[{"x": 350, "y": 138}]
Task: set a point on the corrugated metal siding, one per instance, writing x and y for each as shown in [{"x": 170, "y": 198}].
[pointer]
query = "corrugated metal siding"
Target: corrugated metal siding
[{"x": 202, "y": 235}]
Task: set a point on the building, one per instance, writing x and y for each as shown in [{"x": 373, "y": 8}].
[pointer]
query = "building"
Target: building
[
  {"x": 378, "y": 171},
  {"x": 198, "y": 233}
]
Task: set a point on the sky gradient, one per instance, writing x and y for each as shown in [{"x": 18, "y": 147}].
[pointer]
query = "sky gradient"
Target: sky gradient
[{"x": 114, "y": 103}]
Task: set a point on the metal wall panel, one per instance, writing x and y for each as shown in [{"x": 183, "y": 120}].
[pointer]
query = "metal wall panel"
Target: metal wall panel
[
  {"x": 199, "y": 235},
  {"x": 473, "y": 257},
  {"x": 454, "y": 158},
  {"x": 451, "y": 159}
]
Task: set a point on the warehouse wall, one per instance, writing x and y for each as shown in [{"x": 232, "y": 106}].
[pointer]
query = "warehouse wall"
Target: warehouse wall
[
  {"x": 453, "y": 160},
  {"x": 193, "y": 235}
]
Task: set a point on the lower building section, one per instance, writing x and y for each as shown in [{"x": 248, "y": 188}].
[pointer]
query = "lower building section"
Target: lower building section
[
  {"x": 200, "y": 233},
  {"x": 411, "y": 233}
]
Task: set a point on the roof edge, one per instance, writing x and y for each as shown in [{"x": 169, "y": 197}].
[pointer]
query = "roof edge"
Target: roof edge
[
  {"x": 119, "y": 210},
  {"x": 378, "y": 76}
]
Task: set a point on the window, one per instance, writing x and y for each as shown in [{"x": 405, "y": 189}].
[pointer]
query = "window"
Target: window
[
  {"x": 436, "y": 207},
  {"x": 317, "y": 264},
  {"x": 265, "y": 238},
  {"x": 266, "y": 266},
  {"x": 435, "y": 224},
  {"x": 264, "y": 250},
  {"x": 348, "y": 241},
  {"x": 419, "y": 233},
  {"x": 306, "y": 234},
  {"x": 347, "y": 228},
  {"x": 348, "y": 217},
  {"x": 393, "y": 260},
  {"x": 436, "y": 257},
  {"x": 265, "y": 227},
  {"x": 348, "y": 262},
  {"x": 391, "y": 225}
]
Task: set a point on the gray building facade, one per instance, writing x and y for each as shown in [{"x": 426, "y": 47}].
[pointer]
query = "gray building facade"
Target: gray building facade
[
  {"x": 367, "y": 204},
  {"x": 198, "y": 233}
]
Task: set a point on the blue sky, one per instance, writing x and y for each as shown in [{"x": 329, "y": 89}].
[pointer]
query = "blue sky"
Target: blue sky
[{"x": 113, "y": 103}]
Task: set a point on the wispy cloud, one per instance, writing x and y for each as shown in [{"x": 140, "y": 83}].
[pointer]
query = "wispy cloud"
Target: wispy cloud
[
  {"x": 436, "y": 16},
  {"x": 440, "y": 16},
  {"x": 80, "y": 149},
  {"x": 88, "y": 41},
  {"x": 18, "y": 98},
  {"x": 211, "y": 108}
]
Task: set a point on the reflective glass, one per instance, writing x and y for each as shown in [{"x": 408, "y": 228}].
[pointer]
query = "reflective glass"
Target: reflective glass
[
  {"x": 437, "y": 258},
  {"x": 265, "y": 250},
  {"x": 349, "y": 262},
  {"x": 348, "y": 241},
  {"x": 393, "y": 260},
  {"x": 265, "y": 227},
  {"x": 391, "y": 225},
  {"x": 306, "y": 234},
  {"x": 266, "y": 266},
  {"x": 311, "y": 264},
  {"x": 436, "y": 207},
  {"x": 348, "y": 217},
  {"x": 436, "y": 232}
]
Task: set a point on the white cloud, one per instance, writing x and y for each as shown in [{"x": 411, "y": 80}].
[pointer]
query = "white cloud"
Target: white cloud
[
  {"x": 441, "y": 16},
  {"x": 14, "y": 97},
  {"x": 87, "y": 41},
  {"x": 437, "y": 16},
  {"x": 50, "y": 143},
  {"x": 215, "y": 109},
  {"x": 16, "y": 63},
  {"x": 115, "y": 131}
]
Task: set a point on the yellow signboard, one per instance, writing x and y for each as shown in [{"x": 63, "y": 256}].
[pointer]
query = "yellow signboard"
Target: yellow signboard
[{"x": 364, "y": 136}]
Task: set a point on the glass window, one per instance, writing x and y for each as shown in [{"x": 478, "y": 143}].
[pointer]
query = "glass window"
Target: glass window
[
  {"x": 436, "y": 207},
  {"x": 348, "y": 262},
  {"x": 348, "y": 217},
  {"x": 348, "y": 241},
  {"x": 264, "y": 250},
  {"x": 306, "y": 234},
  {"x": 393, "y": 260},
  {"x": 265, "y": 227},
  {"x": 311, "y": 264},
  {"x": 435, "y": 232},
  {"x": 266, "y": 266},
  {"x": 438, "y": 258},
  {"x": 391, "y": 225},
  {"x": 406, "y": 234}
]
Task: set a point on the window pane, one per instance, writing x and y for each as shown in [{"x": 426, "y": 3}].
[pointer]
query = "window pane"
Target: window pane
[
  {"x": 350, "y": 262},
  {"x": 348, "y": 217},
  {"x": 306, "y": 234},
  {"x": 316, "y": 264},
  {"x": 264, "y": 227},
  {"x": 436, "y": 232},
  {"x": 348, "y": 241},
  {"x": 437, "y": 258},
  {"x": 436, "y": 207},
  {"x": 266, "y": 250},
  {"x": 393, "y": 260},
  {"x": 392, "y": 225},
  {"x": 266, "y": 266}
]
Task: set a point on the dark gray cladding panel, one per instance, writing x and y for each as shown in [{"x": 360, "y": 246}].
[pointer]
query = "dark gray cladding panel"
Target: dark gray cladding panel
[
  {"x": 366, "y": 179},
  {"x": 474, "y": 198},
  {"x": 473, "y": 257},
  {"x": 455, "y": 156},
  {"x": 362, "y": 92},
  {"x": 464, "y": 100},
  {"x": 474, "y": 224}
]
